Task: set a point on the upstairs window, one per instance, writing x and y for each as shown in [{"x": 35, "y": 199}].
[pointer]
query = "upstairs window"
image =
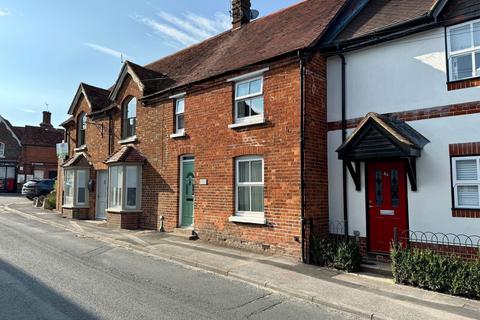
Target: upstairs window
[
  {"x": 466, "y": 182},
  {"x": 81, "y": 128},
  {"x": 179, "y": 115},
  {"x": 249, "y": 100},
  {"x": 464, "y": 50},
  {"x": 2, "y": 150},
  {"x": 129, "y": 116}
]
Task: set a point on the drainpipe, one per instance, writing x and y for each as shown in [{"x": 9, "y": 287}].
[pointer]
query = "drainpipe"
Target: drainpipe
[
  {"x": 302, "y": 147},
  {"x": 344, "y": 138},
  {"x": 110, "y": 123}
]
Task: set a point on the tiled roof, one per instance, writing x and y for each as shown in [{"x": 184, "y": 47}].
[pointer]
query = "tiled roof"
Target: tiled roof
[
  {"x": 152, "y": 81},
  {"x": 97, "y": 97},
  {"x": 126, "y": 154},
  {"x": 285, "y": 31},
  {"x": 38, "y": 136},
  {"x": 79, "y": 160},
  {"x": 382, "y": 14}
]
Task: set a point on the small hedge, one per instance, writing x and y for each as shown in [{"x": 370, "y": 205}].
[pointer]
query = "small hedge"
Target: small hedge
[
  {"x": 337, "y": 254},
  {"x": 432, "y": 271}
]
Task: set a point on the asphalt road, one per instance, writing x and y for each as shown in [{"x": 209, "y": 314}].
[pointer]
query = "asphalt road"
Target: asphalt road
[{"x": 49, "y": 273}]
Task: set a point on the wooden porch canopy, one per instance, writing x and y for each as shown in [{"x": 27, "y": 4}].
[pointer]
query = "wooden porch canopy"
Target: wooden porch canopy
[{"x": 379, "y": 137}]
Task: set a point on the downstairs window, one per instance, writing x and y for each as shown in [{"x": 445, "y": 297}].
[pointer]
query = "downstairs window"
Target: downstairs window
[{"x": 466, "y": 182}]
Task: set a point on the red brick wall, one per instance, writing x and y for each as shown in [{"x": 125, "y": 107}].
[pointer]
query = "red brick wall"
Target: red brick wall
[
  {"x": 316, "y": 170},
  {"x": 208, "y": 112}
]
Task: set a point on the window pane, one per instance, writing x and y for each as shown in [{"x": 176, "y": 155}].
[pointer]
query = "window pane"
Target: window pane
[
  {"x": 394, "y": 188},
  {"x": 460, "y": 38},
  {"x": 2, "y": 149},
  {"x": 10, "y": 172},
  {"x": 257, "y": 174},
  {"x": 467, "y": 169},
  {"x": 131, "y": 185},
  {"x": 180, "y": 106},
  {"x": 477, "y": 64},
  {"x": 242, "y": 89},
  {"x": 379, "y": 188},
  {"x": 476, "y": 34},
  {"x": 115, "y": 186},
  {"x": 257, "y": 106},
  {"x": 257, "y": 199},
  {"x": 468, "y": 196},
  {"x": 462, "y": 66},
  {"x": 243, "y": 171},
  {"x": 243, "y": 198},
  {"x": 256, "y": 86},
  {"x": 132, "y": 108},
  {"x": 180, "y": 122},
  {"x": 243, "y": 109},
  {"x": 81, "y": 186}
]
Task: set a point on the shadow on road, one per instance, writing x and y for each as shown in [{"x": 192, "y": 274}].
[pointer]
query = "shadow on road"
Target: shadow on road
[{"x": 23, "y": 297}]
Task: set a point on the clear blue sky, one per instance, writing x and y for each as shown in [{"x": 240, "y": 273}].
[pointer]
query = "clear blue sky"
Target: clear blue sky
[{"x": 48, "y": 47}]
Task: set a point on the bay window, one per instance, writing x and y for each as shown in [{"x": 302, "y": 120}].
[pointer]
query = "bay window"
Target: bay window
[
  {"x": 464, "y": 50},
  {"x": 75, "y": 188},
  {"x": 249, "y": 185},
  {"x": 124, "y": 187},
  {"x": 466, "y": 182}
]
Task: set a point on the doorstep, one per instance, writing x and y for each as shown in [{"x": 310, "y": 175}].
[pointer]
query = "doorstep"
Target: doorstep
[{"x": 187, "y": 233}]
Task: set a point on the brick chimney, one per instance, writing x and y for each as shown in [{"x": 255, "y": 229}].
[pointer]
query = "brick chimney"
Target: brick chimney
[
  {"x": 240, "y": 13},
  {"x": 47, "y": 120}
]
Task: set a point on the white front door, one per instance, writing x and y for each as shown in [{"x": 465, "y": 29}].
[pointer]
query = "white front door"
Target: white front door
[{"x": 102, "y": 195}]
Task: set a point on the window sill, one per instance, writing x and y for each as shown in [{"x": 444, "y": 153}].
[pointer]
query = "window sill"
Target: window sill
[
  {"x": 465, "y": 213},
  {"x": 121, "y": 211},
  {"x": 128, "y": 140},
  {"x": 463, "y": 83},
  {"x": 75, "y": 207},
  {"x": 250, "y": 220},
  {"x": 82, "y": 148},
  {"x": 178, "y": 135},
  {"x": 247, "y": 123}
]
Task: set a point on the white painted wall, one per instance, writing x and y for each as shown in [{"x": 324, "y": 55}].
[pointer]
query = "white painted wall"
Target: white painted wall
[
  {"x": 399, "y": 75},
  {"x": 429, "y": 208}
]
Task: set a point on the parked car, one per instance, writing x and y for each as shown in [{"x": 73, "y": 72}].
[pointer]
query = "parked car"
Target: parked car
[{"x": 36, "y": 188}]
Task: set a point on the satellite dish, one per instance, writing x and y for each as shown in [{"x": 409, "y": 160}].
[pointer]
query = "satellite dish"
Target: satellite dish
[{"x": 254, "y": 14}]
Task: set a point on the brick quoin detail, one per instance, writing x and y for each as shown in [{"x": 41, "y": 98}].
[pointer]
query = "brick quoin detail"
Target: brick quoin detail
[
  {"x": 465, "y": 149},
  {"x": 419, "y": 114},
  {"x": 463, "y": 84}
]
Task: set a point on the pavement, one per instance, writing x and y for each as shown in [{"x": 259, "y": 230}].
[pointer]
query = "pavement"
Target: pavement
[{"x": 358, "y": 295}]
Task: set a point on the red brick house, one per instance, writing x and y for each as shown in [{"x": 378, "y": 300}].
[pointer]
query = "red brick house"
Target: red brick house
[
  {"x": 216, "y": 138},
  {"x": 27, "y": 152}
]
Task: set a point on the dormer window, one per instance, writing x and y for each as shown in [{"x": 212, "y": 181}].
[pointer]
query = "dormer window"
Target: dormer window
[
  {"x": 81, "y": 127},
  {"x": 464, "y": 50},
  {"x": 129, "y": 118},
  {"x": 2, "y": 150}
]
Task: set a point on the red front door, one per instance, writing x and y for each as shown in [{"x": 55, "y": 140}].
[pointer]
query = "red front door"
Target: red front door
[{"x": 387, "y": 203}]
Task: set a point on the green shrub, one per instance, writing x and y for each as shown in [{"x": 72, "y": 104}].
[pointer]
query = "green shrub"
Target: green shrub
[
  {"x": 51, "y": 198},
  {"x": 337, "y": 254},
  {"x": 429, "y": 270}
]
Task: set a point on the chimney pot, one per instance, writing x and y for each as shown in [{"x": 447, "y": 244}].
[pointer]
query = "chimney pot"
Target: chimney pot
[
  {"x": 240, "y": 13},
  {"x": 47, "y": 120}
]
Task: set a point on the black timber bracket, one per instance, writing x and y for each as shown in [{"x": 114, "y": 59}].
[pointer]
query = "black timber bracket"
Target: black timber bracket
[
  {"x": 412, "y": 173},
  {"x": 355, "y": 173}
]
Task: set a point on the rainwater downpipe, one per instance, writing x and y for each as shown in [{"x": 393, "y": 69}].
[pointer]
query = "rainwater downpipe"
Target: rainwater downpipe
[
  {"x": 302, "y": 147},
  {"x": 344, "y": 138}
]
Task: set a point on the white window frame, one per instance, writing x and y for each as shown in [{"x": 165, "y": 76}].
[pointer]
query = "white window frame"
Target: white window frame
[
  {"x": 253, "y": 214},
  {"x": 75, "y": 203},
  {"x": 82, "y": 121},
  {"x": 69, "y": 201},
  {"x": 472, "y": 50},
  {"x": 129, "y": 102},
  {"x": 177, "y": 114},
  {"x": 2, "y": 150},
  {"x": 123, "y": 207},
  {"x": 456, "y": 183},
  {"x": 249, "y": 119}
]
